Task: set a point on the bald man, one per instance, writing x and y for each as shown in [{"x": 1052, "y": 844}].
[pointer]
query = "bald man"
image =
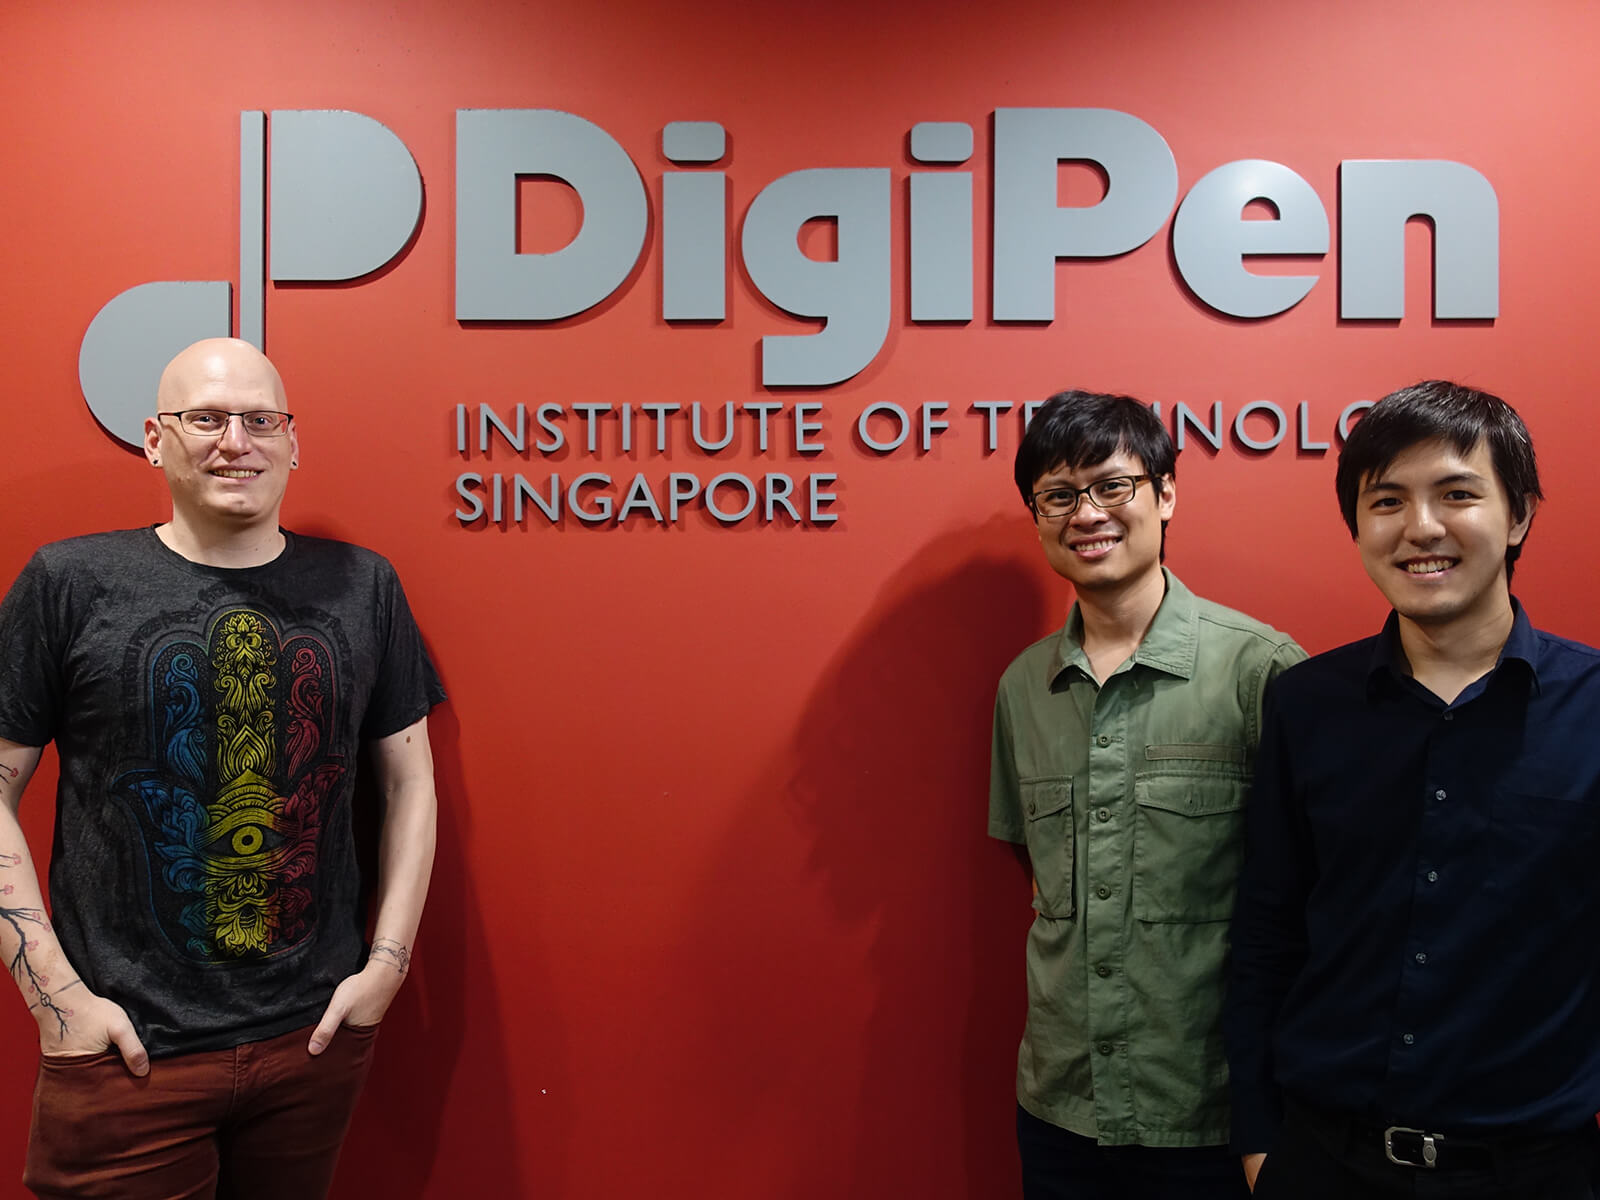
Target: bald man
[{"x": 206, "y": 993}]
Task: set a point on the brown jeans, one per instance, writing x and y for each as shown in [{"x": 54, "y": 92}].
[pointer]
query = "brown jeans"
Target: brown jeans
[{"x": 258, "y": 1122}]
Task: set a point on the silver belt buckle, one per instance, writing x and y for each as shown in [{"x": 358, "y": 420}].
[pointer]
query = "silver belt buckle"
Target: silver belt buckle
[{"x": 1430, "y": 1147}]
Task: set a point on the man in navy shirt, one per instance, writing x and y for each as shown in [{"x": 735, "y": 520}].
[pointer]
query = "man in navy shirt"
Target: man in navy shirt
[{"x": 1415, "y": 1001}]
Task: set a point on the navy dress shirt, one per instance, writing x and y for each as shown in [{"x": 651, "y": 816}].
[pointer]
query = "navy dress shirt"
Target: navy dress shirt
[{"x": 1415, "y": 936}]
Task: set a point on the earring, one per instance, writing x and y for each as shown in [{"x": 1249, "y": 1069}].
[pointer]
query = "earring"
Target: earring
[
  {"x": 155, "y": 462},
  {"x": 294, "y": 464}
]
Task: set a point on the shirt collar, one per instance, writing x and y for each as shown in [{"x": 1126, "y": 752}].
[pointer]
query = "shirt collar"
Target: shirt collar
[
  {"x": 1521, "y": 646},
  {"x": 1168, "y": 645}
]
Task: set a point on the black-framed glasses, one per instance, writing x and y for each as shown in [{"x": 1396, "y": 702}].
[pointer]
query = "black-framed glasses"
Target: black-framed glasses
[
  {"x": 1103, "y": 493},
  {"x": 213, "y": 422}
]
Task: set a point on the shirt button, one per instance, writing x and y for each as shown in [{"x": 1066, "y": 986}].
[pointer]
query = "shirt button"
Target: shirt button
[
  {"x": 1104, "y": 1047},
  {"x": 1407, "y": 1038},
  {"x": 1102, "y": 970},
  {"x": 1449, "y": 716},
  {"x": 1433, "y": 877},
  {"x": 1102, "y": 891},
  {"x": 1104, "y": 814},
  {"x": 1439, "y": 795},
  {"x": 1421, "y": 957},
  {"x": 1103, "y": 740}
]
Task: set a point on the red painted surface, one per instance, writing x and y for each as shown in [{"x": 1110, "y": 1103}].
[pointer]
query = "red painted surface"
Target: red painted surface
[{"x": 714, "y": 914}]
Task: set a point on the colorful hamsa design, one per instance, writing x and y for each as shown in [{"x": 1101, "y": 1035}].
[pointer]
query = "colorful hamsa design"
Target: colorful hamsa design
[{"x": 231, "y": 801}]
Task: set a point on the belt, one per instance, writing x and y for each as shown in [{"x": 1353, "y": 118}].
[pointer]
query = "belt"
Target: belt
[{"x": 1429, "y": 1150}]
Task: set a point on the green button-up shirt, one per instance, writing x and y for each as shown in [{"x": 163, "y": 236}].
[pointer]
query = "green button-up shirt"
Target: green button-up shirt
[{"x": 1129, "y": 796}]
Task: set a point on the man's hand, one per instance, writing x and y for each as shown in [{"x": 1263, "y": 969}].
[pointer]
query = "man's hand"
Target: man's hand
[
  {"x": 94, "y": 1025},
  {"x": 1252, "y": 1168},
  {"x": 71, "y": 1018},
  {"x": 361, "y": 999}
]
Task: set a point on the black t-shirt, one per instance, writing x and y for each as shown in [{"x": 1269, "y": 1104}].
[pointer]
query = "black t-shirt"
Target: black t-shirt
[{"x": 209, "y": 722}]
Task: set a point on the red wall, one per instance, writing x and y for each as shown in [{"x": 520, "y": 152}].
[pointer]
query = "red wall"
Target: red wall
[{"x": 714, "y": 914}]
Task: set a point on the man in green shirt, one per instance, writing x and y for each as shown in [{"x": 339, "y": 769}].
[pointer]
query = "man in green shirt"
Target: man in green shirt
[{"x": 1123, "y": 746}]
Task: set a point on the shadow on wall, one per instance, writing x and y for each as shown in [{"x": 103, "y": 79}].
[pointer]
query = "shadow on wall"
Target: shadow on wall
[
  {"x": 890, "y": 774},
  {"x": 879, "y": 1058},
  {"x": 448, "y": 1012}
]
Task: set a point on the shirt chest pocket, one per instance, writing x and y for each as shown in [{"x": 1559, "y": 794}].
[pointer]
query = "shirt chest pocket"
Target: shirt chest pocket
[
  {"x": 1188, "y": 842},
  {"x": 1541, "y": 844},
  {"x": 1047, "y": 805}
]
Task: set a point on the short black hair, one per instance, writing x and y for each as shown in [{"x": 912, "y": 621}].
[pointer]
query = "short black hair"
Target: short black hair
[
  {"x": 1437, "y": 410},
  {"x": 1079, "y": 429}
]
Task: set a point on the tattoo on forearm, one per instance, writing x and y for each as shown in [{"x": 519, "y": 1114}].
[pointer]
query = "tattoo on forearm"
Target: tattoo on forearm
[
  {"x": 397, "y": 955},
  {"x": 32, "y": 981}
]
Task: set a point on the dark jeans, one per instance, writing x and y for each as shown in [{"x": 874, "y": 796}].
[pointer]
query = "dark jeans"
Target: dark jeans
[
  {"x": 262, "y": 1121},
  {"x": 1058, "y": 1165},
  {"x": 1321, "y": 1159}
]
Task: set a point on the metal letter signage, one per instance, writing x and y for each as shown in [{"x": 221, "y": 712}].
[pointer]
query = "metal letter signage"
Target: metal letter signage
[{"x": 347, "y": 200}]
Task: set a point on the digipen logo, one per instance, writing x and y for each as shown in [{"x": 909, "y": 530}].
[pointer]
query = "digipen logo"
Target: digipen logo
[{"x": 345, "y": 199}]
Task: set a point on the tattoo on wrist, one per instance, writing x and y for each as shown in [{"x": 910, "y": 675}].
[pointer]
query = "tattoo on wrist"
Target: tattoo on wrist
[
  {"x": 392, "y": 952},
  {"x": 47, "y": 1003},
  {"x": 32, "y": 982}
]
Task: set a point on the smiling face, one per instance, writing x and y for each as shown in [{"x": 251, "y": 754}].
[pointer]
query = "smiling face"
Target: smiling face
[
  {"x": 1102, "y": 551},
  {"x": 1433, "y": 529},
  {"x": 232, "y": 481}
]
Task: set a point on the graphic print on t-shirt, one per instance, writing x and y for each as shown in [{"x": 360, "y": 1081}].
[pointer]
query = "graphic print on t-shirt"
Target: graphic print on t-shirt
[{"x": 231, "y": 798}]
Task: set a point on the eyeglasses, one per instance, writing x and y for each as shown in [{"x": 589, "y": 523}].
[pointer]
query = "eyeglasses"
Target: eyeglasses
[
  {"x": 1102, "y": 493},
  {"x": 213, "y": 422}
]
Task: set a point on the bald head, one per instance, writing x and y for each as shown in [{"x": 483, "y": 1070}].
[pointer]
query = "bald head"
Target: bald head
[
  {"x": 213, "y": 362},
  {"x": 223, "y": 438}
]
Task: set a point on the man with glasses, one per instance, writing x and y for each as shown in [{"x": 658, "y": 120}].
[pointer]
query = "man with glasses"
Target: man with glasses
[
  {"x": 1122, "y": 752},
  {"x": 205, "y": 991}
]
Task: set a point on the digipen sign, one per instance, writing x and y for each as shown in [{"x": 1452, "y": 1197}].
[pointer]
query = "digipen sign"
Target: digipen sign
[{"x": 347, "y": 199}]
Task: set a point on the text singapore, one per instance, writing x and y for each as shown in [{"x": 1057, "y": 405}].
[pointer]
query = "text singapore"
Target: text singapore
[{"x": 598, "y": 429}]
